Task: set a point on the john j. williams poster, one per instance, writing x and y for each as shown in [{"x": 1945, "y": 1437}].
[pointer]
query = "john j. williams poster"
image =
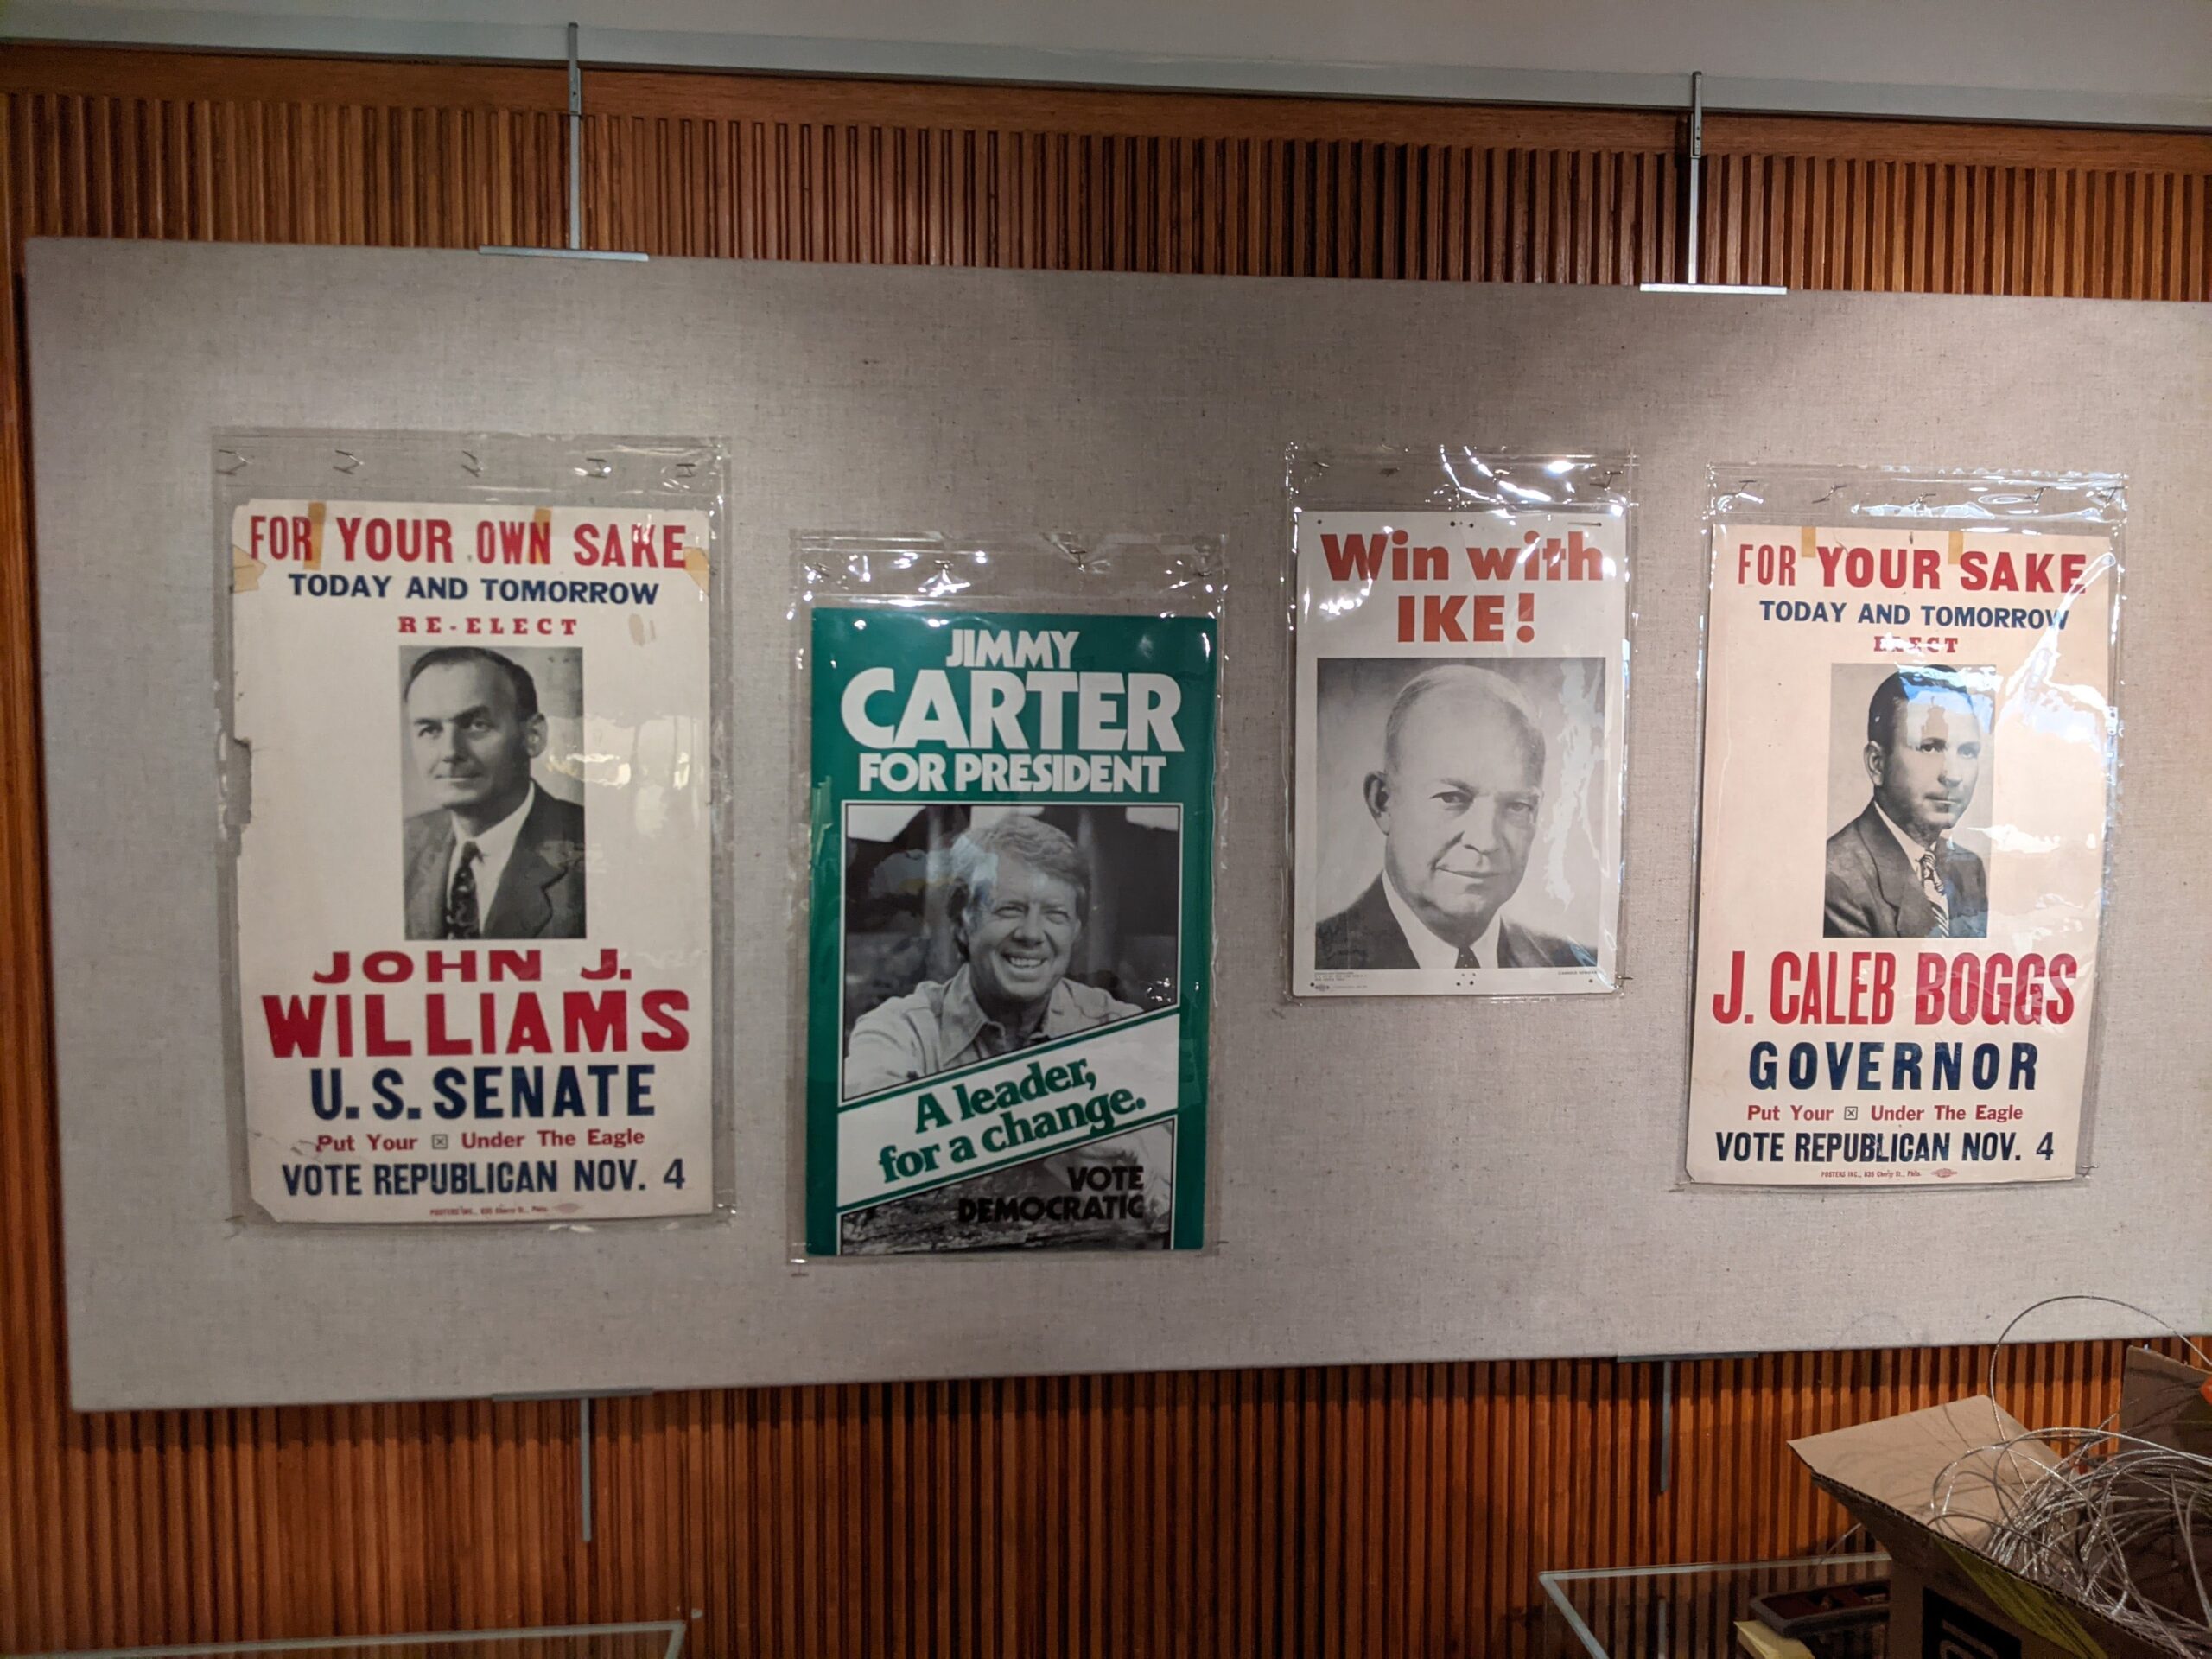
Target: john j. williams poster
[{"x": 473, "y": 883}]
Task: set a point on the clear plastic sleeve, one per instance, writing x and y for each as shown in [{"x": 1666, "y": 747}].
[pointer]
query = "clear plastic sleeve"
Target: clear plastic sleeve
[
  {"x": 472, "y": 784},
  {"x": 1459, "y": 626},
  {"x": 1910, "y": 780},
  {"x": 1003, "y": 932}
]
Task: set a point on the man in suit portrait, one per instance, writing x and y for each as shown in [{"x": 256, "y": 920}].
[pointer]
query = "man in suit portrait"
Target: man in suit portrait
[
  {"x": 498, "y": 857},
  {"x": 1894, "y": 872},
  {"x": 1458, "y": 797}
]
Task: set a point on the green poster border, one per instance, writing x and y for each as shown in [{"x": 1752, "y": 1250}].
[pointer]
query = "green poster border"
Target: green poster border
[{"x": 825, "y": 929}]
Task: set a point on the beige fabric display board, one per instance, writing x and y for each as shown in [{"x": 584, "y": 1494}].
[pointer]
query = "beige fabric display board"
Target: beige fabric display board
[{"x": 1394, "y": 1179}]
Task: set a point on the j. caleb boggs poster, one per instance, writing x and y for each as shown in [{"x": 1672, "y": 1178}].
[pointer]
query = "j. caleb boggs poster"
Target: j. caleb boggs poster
[{"x": 1908, "y": 767}]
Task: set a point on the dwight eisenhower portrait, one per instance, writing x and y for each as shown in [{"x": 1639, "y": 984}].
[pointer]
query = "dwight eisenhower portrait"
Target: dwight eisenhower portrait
[
  {"x": 496, "y": 856},
  {"x": 1458, "y": 793},
  {"x": 1896, "y": 870}
]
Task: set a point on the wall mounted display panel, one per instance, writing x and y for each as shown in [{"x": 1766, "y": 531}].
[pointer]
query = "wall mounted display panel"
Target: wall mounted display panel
[{"x": 1392, "y": 1176}]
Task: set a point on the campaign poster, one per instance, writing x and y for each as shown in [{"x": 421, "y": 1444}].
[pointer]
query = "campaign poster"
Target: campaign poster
[
  {"x": 1011, "y": 931},
  {"x": 1907, "y": 771},
  {"x": 473, "y": 882},
  {"x": 1460, "y": 722}
]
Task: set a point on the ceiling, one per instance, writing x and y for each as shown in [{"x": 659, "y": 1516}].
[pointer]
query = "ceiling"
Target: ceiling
[{"x": 2130, "y": 62}]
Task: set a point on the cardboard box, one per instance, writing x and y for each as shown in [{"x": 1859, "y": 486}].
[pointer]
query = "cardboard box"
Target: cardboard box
[{"x": 1946, "y": 1597}]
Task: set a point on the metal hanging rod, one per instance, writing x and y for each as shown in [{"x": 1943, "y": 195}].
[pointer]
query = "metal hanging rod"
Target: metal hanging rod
[
  {"x": 575, "y": 249},
  {"x": 1697, "y": 144},
  {"x": 1695, "y": 230}
]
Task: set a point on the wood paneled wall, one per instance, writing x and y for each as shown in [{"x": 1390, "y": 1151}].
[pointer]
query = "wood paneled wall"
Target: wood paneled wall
[{"x": 1373, "y": 1511}]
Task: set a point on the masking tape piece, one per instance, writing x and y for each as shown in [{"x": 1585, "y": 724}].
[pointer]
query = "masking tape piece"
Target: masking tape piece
[
  {"x": 316, "y": 510},
  {"x": 1806, "y": 541},
  {"x": 1958, "y": 545},
  {"x": 609, "y": 769},
  {"x": 695, "y": 566},
  {"x": 246, "y": 572}
]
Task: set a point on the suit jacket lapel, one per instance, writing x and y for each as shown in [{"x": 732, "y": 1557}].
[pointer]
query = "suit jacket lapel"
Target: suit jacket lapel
[
  {"x": 1382, "y": 939},
  {"x": 426, "y": 882},
  {"x": 1895, "y": 876},
  {"x": 520, "y": 909},
  {"x": 1959, "y": 884}
]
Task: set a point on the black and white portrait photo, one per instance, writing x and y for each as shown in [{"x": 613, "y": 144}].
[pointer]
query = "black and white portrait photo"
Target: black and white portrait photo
[
  {"x": 1909, "y": 795},
  {"x": 1459, "y": 816},
  {"x": 494, "y": 833},
  {"x": 972, "y": 933}
]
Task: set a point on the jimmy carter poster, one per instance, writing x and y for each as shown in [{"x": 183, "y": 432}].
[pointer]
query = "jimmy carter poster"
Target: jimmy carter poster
[
  {"x": 1908, "y": 765},
  {"x": 472, "y": 885},
  {"x": 1011, "y": 931},
  {"x": 1460, "y": 713}
]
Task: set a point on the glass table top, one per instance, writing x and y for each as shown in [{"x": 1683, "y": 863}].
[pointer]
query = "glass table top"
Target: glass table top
[{"x": 1680, "y": 1613}]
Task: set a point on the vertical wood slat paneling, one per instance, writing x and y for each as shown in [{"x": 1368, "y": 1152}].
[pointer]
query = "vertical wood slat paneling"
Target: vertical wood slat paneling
[
  {"x": 1357, "y": 1510},
  {"x": 1236, "y": 207}
]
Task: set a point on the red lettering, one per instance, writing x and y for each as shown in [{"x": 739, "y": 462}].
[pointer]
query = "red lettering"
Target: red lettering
[
  {"x": 1767, "y": 564},
  {"x": 1344, "y": 555},
  {"x": 1888, "y": 567},
  {"x": 373, "y": 1040},
  {"x": 2060, "y": 1009},
  {"x": 595, "y": 1020},
  {"x": 436, "y": 1041},
  {"x": 661, "y": 1008},
  {"x": 528, "y": 1033},
  {"x": 1882, "y": 991},
  {"x": 294, "y": 1032},
  {"x": 1928, "y": 994},
  {"x": 1778, "y": 995},
  {"x": 1492, "y": 563},
  {"x": 1439, "y": 617}
]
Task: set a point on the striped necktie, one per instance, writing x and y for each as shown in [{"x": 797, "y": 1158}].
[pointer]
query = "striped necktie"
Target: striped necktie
[{"x": 1931, "y": 883}]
